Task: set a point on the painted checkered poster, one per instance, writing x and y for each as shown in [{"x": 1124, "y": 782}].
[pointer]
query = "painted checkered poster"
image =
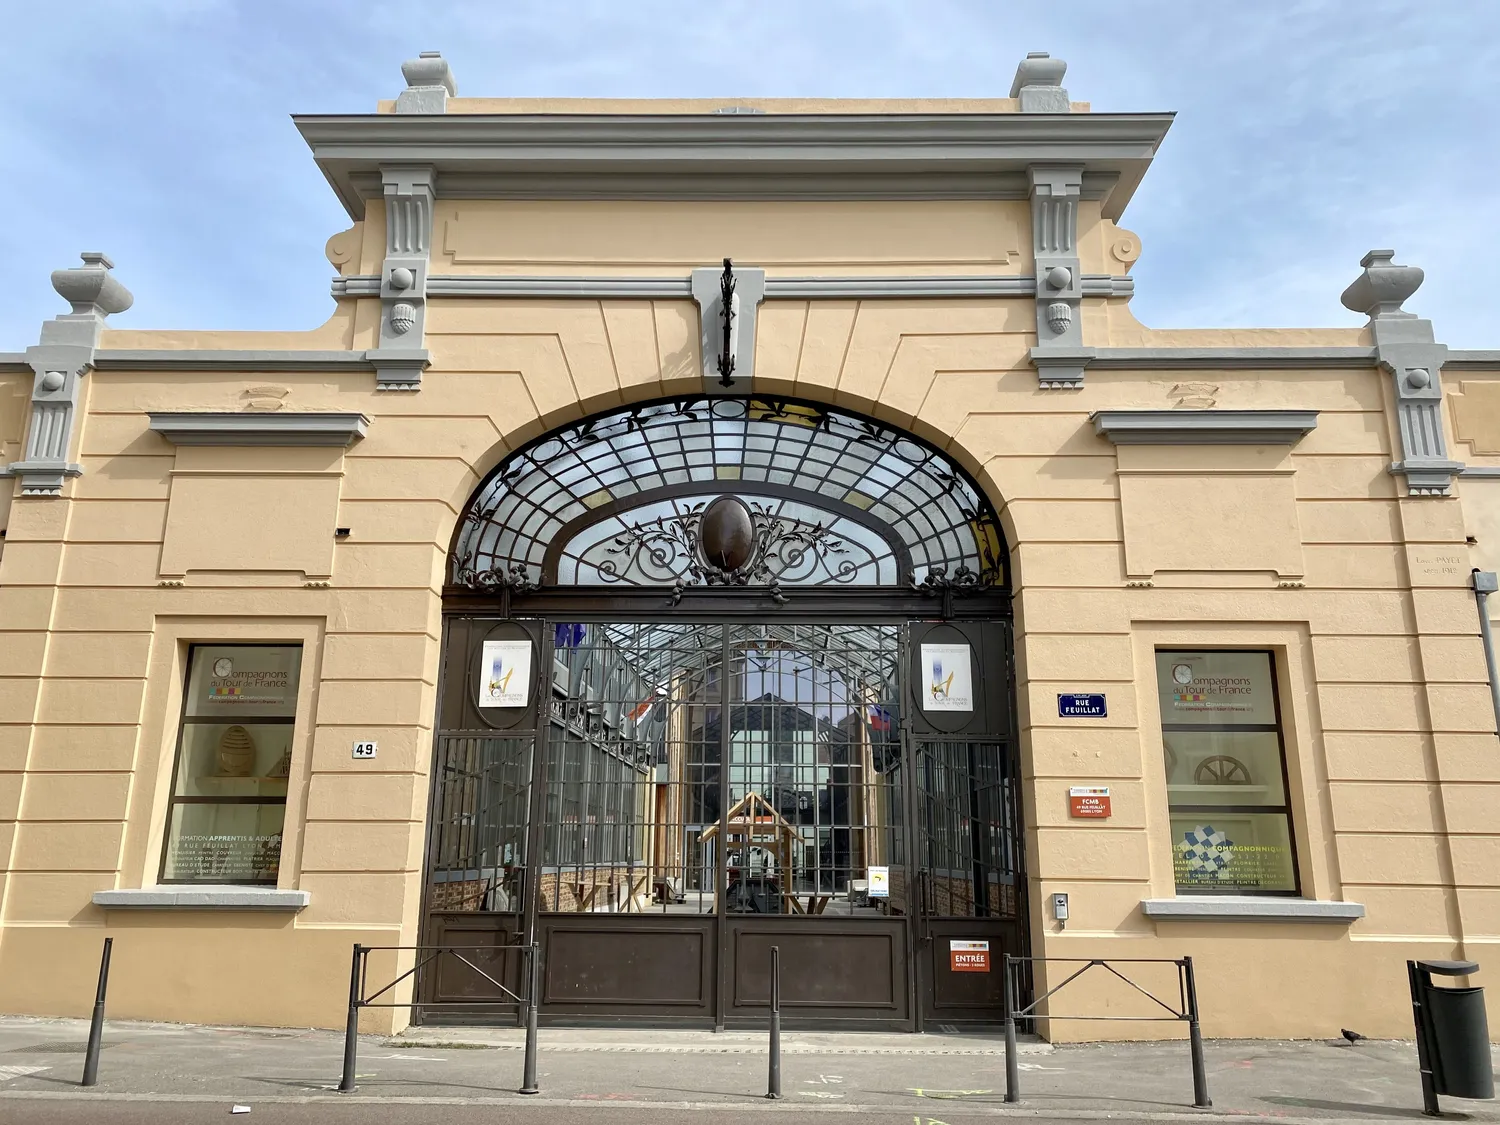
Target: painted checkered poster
[{"x": 1205, "y": 854}]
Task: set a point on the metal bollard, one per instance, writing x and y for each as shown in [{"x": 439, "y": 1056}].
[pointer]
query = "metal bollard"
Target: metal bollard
[
  {"x": 351, "y": 1029},
  {"x": 773, "y": 1086},
  {"x": 533, "y": 972},
  {"x": 96, "y": 1025},
  {"x": 1012, "y": 1066},
  {"x": 773, "y": 1089},
  {"x": 1201, "y": 1100}
]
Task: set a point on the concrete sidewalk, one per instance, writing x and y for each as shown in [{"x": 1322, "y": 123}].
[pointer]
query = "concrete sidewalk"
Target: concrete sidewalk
[{"x": 933, "y": 1078}]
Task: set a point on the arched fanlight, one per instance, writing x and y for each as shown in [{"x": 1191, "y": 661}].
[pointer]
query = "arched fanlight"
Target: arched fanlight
[{"x": 729, "y": 491}]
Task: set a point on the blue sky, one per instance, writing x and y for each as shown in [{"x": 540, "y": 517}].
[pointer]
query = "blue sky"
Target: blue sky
[{"x": 1307, "y": 133}]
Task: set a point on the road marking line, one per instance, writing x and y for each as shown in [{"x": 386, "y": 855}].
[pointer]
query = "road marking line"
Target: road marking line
[{"x": 9, "y": 1072}]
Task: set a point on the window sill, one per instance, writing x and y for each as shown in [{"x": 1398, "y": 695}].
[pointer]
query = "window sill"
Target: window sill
[
  {"x": 204, "y": 898},
  {"x": 1250, "y": 908}
]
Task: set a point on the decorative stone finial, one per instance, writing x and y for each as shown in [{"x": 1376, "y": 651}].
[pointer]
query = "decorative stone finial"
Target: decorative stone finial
[
  {"x": 1379, "y": 291},
  {"x": 90, "y": 288},
  {"x": 59, "y": 363},
  {"x": 1038, "y": 84},
  {"x": 429, "y": 84}
]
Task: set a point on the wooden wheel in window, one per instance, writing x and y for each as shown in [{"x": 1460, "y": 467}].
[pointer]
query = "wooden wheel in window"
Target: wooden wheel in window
[
  {"x": 1221, "y": 769},
  {"x": 1170, "y": 756}
]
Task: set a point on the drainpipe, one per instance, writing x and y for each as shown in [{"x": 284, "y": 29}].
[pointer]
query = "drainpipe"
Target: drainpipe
[{"x": 1485, "y": 584}]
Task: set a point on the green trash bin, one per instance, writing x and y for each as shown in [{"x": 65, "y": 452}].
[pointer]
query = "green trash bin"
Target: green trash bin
[{"x": 1453, "y": 1034}]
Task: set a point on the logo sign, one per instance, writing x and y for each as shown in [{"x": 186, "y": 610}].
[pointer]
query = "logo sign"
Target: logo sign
[
  {"x": 949, "y": 677},
  {"x": 1081, "y": 706},
  {"x": 1088, "y": 800},
  {"x": 880, "y": 882},
  {"x": 969, "y": 956},
  {"x": 505, "y": 674},
  {"x": 1221, "y": 687}
]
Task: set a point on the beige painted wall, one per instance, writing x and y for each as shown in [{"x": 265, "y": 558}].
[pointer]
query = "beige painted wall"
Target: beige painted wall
[{"x": 1311, "y": 552}]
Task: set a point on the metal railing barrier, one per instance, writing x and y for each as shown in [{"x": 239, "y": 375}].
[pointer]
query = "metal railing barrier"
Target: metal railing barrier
[
  {"x": 361, "y": 997},
  {"x": 773, "y": 1086},
  {"x": 96, "y": 1024},
  {"x": 1186, "y": 1011}
]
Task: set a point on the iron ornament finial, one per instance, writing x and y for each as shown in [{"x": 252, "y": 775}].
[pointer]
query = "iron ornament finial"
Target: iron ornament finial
[{"x": 726, "y": 314}]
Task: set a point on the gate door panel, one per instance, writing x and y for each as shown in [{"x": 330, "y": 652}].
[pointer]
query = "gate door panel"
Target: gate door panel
[
  {"x": 971, "y": 889},
  {"x": 476, "y": 861},
  {"x": 625, "y": 885},
  {"x": 813, "y": 801}
]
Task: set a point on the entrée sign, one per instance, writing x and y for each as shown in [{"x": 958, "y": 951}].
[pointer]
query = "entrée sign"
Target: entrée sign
[{"x": 969, "y": 956}]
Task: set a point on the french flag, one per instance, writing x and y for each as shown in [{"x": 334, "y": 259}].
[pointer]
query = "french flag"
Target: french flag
[{"x": 880, "y": 718}]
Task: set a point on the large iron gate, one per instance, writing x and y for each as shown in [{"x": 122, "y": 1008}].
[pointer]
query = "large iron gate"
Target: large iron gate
[
  {"x": 721, "y": 674},
  {"x": 684, "y": 795}
]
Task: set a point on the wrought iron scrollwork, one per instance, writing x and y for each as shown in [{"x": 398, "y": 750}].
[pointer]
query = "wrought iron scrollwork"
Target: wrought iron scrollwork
[
  {"x": 950, "y": 530},
  {"x": 938, "y": 581},
  {"x": 726, "y": 314},
  {"x": 514, "y": 578},
  {"x": 668, "y": 549}
]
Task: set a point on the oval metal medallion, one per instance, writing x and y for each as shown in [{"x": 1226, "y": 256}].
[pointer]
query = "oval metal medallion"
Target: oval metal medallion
[{"x": 727, "y": 533}]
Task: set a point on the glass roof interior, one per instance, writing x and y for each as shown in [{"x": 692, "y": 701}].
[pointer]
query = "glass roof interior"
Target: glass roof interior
[{"x": 656, "y": 651}]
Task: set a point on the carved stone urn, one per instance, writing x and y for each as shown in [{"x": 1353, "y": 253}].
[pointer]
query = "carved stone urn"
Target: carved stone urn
[
  {"x": 1380, "y": 290},
  {"x": 89, "y": 288},
  {"x": 430, "y": 69}
]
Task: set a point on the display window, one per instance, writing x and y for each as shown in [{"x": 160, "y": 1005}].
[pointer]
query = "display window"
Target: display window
[
  {"x": 230, "y": 775},
  {"x": 1225, "y": 760}
]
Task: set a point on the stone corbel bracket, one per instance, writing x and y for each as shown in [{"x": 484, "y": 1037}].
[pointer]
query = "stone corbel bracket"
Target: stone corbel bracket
[
  {"x": 749, "y": 291},
  {"x": 401, "y": 357},
  {"x": 1059, "y": 355},
  {"x": 59, "y": 362},
  {"x": 1406, "y": 349}
]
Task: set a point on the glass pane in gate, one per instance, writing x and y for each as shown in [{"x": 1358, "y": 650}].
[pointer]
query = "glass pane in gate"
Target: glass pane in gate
[
  {"x": 814, "y": 789},
  {"x": 632, "y": 769},
  {"x": 968, "y": 848},
  {"x": 477, "y": 850}
]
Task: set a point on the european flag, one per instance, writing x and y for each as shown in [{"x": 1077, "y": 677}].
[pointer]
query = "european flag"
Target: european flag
[{"x": 568, "y": 636}]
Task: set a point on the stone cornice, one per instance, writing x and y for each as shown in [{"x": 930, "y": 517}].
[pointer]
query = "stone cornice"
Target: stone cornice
[
  {"x": 735, "y": 156},
  {"x": 228, "y": 359},
  {"x": 1117, "y": 359},
  {"x": 777, "y": 288},
  {"x": 1204, "y": 427},
  {"x": 1472, "y": 360},
  {"x": 1167, "y": 359},
  {"x": 223, "y": 428}
]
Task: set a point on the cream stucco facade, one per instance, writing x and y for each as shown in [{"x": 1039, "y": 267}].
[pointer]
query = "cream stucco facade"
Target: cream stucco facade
[{"x": 553, "y": 283}]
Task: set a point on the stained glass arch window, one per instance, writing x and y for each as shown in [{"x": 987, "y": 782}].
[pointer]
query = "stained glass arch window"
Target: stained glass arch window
[{"x": 828, "y": 498}]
